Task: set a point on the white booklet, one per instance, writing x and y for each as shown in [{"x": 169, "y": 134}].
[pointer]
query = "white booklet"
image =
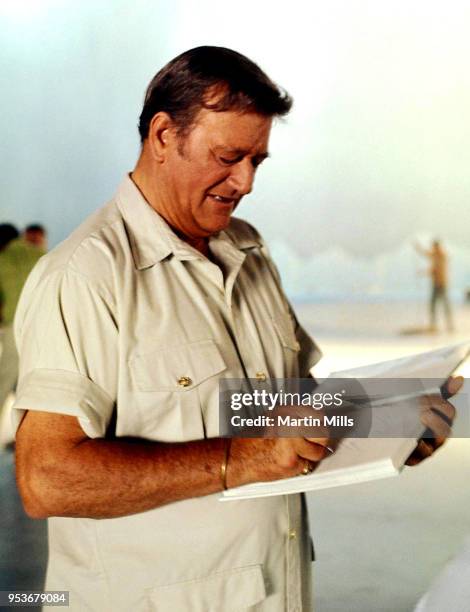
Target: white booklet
[{"x": 364, "y": 459}]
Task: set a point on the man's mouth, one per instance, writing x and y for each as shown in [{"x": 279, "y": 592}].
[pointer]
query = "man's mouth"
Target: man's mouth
[{"x": 223, "y": 199}]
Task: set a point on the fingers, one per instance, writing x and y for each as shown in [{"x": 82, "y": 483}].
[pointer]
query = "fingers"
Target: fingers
[
  {"x": 437, "y": 416},
  {"x": 310, "y": 450},
  {"x": 436, "y": 424},
  {"x": 441, "y": 407},
  {"x": 422, "y": 451},
  {"x": 452, "y": 386}
]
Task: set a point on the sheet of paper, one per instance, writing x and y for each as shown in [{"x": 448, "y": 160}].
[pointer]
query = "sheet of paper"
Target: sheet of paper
[{"x": 436, "y": 364}]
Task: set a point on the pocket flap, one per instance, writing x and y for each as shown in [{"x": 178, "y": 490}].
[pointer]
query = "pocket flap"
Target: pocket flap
[
  {"x": 177, "y": 368},
  {"x": 230, "y": 591},
  {"x": 285, "y": 330}
]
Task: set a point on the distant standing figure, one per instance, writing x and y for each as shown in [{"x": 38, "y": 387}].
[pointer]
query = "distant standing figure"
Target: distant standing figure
[
  {"x": 17, "y": 258},
  {"x": 439, "y": 277}
]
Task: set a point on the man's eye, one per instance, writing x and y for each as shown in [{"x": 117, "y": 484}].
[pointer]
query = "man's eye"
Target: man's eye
[{"x": 226, "y": 160}]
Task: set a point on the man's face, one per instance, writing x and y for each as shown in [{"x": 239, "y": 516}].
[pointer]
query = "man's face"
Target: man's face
[
  {"x": 36, "y": 238},
  {"x": 212, "y": 168}
]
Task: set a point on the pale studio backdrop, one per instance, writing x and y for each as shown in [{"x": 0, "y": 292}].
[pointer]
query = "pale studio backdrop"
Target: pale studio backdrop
[{"x": 374, "y": 153}]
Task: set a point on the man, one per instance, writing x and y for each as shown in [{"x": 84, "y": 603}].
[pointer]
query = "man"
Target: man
[
  {"x": 439, "y": 279},
  {"x": 146, "y": 306},
  {"x": 35, "y": 234},
  {"x": 8, "y": 233},
  {"x": 17, "y": 258}
]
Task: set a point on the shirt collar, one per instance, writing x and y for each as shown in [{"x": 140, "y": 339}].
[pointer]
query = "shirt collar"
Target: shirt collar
[
  {"x": 242, "y": 235},
  {"x": 151, "y": 238}
]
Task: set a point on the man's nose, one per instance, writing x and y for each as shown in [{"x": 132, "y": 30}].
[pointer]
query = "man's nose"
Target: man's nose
[{"x": 242, "y": 176}]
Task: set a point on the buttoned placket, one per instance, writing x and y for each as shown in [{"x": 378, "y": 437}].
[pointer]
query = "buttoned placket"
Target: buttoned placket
[
  {"x": 293, "y": 561},
  {"x": 233, "y": 261},
  {"x": 220, "y": 289}
]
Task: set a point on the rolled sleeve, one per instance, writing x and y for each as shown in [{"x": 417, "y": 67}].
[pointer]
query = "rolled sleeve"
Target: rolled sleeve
[
  {"x": 67, "y": 342},
  {"x": 65, "y": 393}
]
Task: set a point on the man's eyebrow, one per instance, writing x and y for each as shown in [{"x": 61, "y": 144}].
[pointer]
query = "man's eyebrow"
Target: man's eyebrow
[{"x": 235, "y": 151}]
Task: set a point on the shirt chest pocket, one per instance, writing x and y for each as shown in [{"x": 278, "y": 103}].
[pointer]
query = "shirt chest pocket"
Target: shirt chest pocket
[
  {"x": 175, "y": 387},
  {"x": 289, "y": 347},
  {"x": 284, "y": 327}
]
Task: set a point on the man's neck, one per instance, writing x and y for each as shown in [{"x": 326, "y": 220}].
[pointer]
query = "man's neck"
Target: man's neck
[
  {"x": 139, "y": 177},
  {"x": 200, "y": 244}
]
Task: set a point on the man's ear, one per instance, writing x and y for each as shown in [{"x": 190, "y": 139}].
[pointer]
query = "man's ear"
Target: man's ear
[{"x": 161, "y": 135}]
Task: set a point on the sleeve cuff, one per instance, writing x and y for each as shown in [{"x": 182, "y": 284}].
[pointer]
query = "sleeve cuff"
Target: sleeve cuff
[{"x": 64, "y": 392}]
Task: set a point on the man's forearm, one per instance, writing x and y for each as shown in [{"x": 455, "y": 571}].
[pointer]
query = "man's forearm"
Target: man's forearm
[
  {"x": 100, "y": 478},
  {"x": 62, "y": 472},
  {"x": 130, "y": 476}
]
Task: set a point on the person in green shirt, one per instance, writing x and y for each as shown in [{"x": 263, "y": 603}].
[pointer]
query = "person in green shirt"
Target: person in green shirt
[{"x": 18, "y": 256}]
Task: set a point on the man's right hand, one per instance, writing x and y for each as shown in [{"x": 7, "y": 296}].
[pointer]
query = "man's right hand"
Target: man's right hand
[{"x": 265, "y": 459}]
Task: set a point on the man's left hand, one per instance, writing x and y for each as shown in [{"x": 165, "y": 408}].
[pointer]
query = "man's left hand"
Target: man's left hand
[{"x": 437, "y": 414}]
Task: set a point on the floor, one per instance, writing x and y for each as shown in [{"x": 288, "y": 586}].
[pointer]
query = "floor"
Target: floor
[
  {"x": 380, "y": 545},
  {"x": 23, "y": 549}
]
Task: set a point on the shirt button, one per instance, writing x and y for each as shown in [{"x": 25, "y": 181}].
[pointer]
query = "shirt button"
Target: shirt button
[
  {"x": 261, "y": 376},
  {"x": 184, "y": 381},
  {"x": 292, "y": 534}
]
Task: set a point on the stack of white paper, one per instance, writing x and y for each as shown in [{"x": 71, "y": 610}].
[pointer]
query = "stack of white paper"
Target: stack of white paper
[{"x": 363, "y": 459}]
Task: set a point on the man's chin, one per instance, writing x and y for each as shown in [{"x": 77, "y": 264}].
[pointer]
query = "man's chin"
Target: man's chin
[{"x": 217, "y": 224}]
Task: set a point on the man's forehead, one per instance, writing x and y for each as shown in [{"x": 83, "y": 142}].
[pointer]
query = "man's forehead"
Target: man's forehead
[
  {"x": 235, "y": 130},
  {"x": 209, "y": 115}
]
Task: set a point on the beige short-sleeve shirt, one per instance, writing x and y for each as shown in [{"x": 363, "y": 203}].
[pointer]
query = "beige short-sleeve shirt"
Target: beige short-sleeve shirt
[{"x": 109, "y": 325}]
